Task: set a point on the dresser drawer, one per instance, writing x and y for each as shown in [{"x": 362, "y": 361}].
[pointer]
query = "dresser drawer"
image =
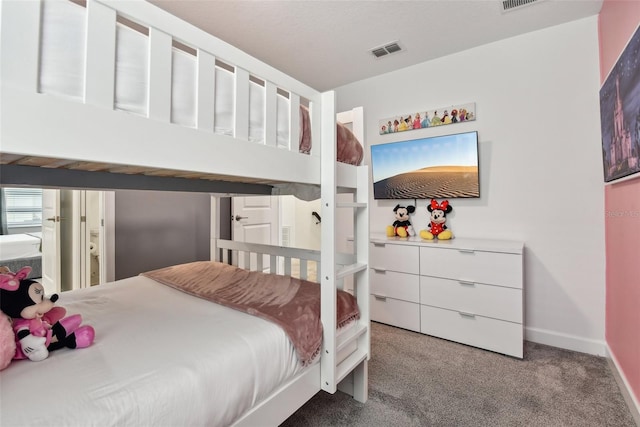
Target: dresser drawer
[
  {"x": 394, "y": 312},
  {"x": 497, "y": 268},
  {"x": 486, "y": 300},
  {"x": 401, "y": 258},
  {"x": 400, "y": 286},
  {"x": 491, "y": 334}
]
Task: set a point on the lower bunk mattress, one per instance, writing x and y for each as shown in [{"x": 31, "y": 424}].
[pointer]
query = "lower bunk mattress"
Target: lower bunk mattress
[{"x": 160, "y": 357}]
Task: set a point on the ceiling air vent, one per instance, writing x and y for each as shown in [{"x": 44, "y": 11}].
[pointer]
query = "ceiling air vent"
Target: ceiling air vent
[
  {"x": 386, "y": 49},
  {"x": 508, "y": 5},
  {"x": 379, "y": 52}
]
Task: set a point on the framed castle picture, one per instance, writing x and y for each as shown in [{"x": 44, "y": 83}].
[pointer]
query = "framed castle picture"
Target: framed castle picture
[{"x": 620, "y": 114}]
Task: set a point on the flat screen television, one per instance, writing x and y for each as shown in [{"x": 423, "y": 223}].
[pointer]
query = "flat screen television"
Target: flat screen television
[{"x": 439, "y": 167}]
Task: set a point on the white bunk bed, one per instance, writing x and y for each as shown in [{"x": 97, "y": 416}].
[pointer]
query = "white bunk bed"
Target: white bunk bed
[{"x": 51, "y": 136}]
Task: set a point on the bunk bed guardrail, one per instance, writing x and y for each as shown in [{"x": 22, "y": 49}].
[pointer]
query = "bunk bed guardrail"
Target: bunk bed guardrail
[{"x": 130, "y": 142}]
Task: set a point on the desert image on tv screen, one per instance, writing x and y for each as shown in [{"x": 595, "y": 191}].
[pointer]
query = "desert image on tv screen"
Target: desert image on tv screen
[{"x": 436, "y": 167}]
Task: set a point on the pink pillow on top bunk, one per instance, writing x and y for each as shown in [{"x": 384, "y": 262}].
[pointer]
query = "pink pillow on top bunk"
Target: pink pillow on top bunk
[
  {"x": 305, "y": 130},
  {"x": 349, "y": 149}
]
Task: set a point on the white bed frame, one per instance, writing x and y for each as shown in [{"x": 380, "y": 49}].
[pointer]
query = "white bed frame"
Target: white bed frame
[
  {"x": 44, "y": 130},
  {"x": 348, "y": 347}
]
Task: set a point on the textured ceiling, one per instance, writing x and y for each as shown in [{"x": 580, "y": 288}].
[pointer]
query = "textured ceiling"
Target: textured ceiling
[{"x": 326, "y": 44}]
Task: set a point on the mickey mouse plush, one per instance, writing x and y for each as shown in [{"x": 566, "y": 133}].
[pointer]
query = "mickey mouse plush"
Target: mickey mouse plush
[
  {"x": 436, "y": 227},
  {"x": 401, "y": 226},
  {"x": 39, "y": 327}
]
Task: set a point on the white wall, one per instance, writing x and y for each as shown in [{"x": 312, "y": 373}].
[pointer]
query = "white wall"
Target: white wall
[
  {"x": 541, "y": 177},
  {"x": 156, "y": 229}
]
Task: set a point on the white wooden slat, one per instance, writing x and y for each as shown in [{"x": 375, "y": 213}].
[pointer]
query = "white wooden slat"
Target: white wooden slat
[
  {"x": 287, "y": 266},
  {"x": 214, "y": 223},
  {"x": 100, "y": 55},
  {"x": 290, "y": 252},
  {"x": 259, "y": 262},
  {"x": 152, "y": 16},
  {"x": 159, "y": 75},
  {"x": 328, "y": 247},
  {"x": 206, "y": 91},
  {"x": 361, "y": 242},
  {"x": 317, "y": 130},
  {"x": 19, "y": 43},
  {"x": 271, "y": 114},
  {"x": 247, "y": 261},
  {"x": 273, "y": 262},
  {"x": 303, "y": 269},
  {"x": 241, "y": 116},
  {"x": 294, "y": 122}
]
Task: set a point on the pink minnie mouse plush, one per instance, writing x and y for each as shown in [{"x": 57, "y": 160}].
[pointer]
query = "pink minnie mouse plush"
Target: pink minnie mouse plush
[
  {"x": 401, "y": 226},
  {"x": 7, "y": 342},
  {"x": 39, "y": 327},
  {"x": 436, "y": 227}
]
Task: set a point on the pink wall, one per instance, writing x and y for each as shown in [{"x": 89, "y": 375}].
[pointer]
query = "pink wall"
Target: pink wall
[{"x": 617, "y": 22}]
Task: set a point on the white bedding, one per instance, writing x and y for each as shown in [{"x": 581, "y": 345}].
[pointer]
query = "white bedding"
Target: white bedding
[
  {"x": 62, "y": 74},
  {"x": 15, "y": 246},
  {"x": 160, "y": 357}
]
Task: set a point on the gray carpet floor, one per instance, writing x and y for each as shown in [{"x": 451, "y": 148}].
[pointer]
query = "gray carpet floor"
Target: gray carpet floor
[{"x": 417, "y": 380}]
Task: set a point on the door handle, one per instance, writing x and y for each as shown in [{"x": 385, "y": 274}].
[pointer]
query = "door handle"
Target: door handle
[
  {"x": 54, "y": 219},
  {"x": 238, "y": 217}
]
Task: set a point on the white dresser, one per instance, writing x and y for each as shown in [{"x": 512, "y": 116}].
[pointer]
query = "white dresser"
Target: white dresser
[{"x": 464, "y": 290}]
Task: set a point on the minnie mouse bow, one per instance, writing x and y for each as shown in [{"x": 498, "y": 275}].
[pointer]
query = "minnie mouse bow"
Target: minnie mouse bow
[
  {"x": 11, "y": 281},
  {"x": 442, "y": 206}
]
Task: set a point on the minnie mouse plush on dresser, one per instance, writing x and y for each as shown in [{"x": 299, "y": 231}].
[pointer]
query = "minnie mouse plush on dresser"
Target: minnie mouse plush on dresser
[
  {"x": 39, "y": 327},
  {"x": 438, "y": 216}
]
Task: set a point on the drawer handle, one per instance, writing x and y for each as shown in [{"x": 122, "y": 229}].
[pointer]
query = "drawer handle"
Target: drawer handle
[
  {"x": 380, "y": 297},
  {"x": 468, "y": 315},
  {"x": 380, "y": 245},
  {"x": 466, "y": 251},
  {"x": 466, "y": 283},
  {"x": 379, "y": 270}
]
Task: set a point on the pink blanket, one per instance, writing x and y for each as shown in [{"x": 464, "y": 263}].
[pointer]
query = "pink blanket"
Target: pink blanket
[
  {"x": 349, "y": 149},
  {"x": 291, "y": 303}
]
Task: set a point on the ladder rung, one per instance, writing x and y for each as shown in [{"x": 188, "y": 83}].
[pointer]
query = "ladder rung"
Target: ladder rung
[
  {"x": 351, "y": 205},
  {"x": 350, "y": 363},
  {"x": 350, "y": 336},
  {"x": 348, "y": 270}
]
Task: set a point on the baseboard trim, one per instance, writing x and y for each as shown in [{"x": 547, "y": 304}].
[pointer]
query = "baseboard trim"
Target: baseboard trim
[
  {"x": 567, "y": 341},
  {"x": 623, "y": 384}
]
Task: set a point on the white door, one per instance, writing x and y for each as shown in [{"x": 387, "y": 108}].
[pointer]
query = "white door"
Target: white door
[
  {"x": 93, "y": 238},
  {"x": 51, "y": 240},
  {"x": 255, "y": 220}
]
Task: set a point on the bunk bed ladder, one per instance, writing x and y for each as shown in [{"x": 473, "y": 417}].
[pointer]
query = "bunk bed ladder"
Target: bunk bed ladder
[{"x": 355, "y": 342}]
